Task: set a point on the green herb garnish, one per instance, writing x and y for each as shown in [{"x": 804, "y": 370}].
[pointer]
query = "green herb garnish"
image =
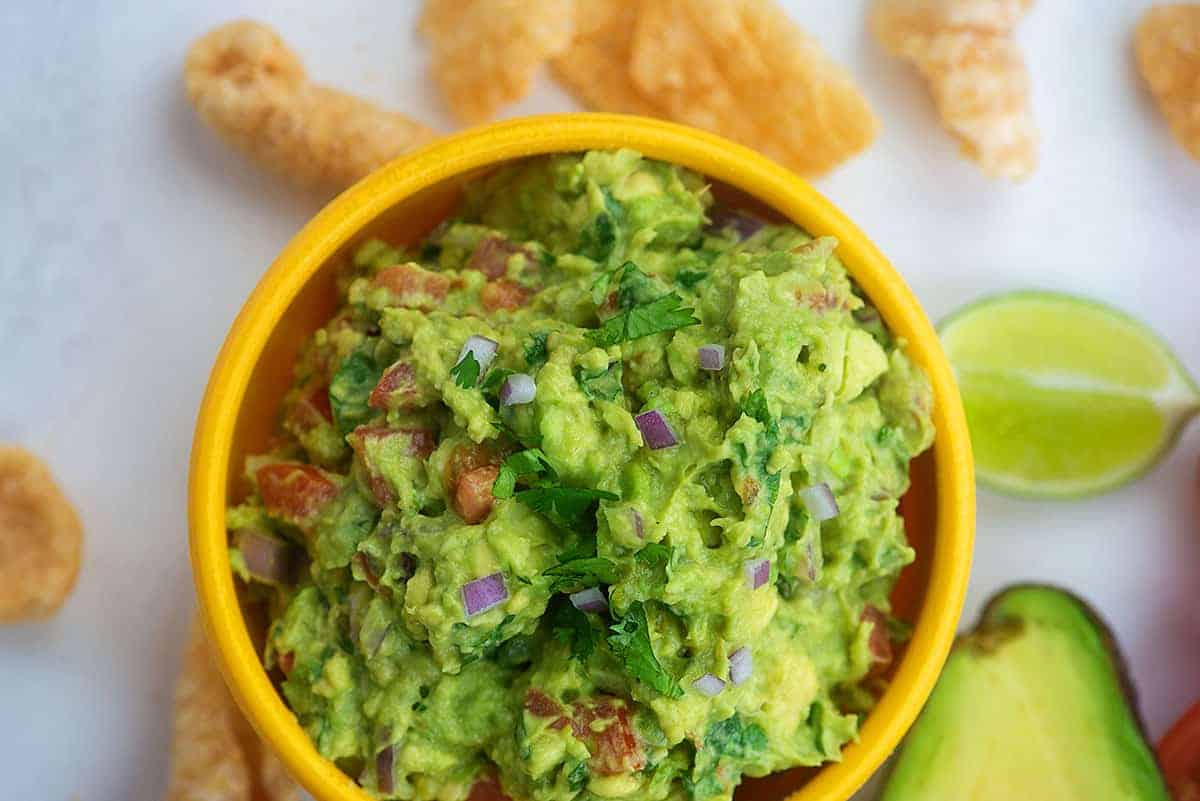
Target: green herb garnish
[
  {"x": 466, "y": 372},
  {"x": 665, "y": 314}
]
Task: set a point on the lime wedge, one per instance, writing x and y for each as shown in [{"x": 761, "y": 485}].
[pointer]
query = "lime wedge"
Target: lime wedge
[{"x": 1064, "y": 396}]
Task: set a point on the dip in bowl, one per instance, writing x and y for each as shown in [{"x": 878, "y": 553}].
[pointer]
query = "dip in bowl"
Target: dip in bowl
[{"x": 588, "y": 482}]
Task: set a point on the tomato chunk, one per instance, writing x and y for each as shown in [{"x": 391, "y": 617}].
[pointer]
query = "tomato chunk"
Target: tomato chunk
[
  {"x": 418, "y": 442},
  {"x": 294, "y": 492},
  {"x": 504, "y": 294},
  {"x": 412, "y": 286},
  {"x": 880, "y": 642},
  {"x": 487, "y": 788},
  {"x": 312, "y": 408},
  {"x": 1179, "y": 754},
  {"x": 614, "y": 746},
  {"x": 400, "y": 388},
  {"x": 473, "y": 493},
  {"x": 491, "y": 255}
]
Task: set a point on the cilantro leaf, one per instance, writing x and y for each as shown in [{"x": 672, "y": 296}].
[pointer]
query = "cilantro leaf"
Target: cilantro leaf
[
  {"x": 535, "y": 351},
  {"x": 689, "y": 278},
  {"x": 569, "y": 625},
  {"x": 665, "y": 314},
  {"x": 466, "y": 372},
  {"x": 755, "y": 406},
  {"x": 654, "y": 554},
  {"x": 350, "y": 390},
  {"x": 603, "y": 384},
  {"x": 599, "y": 238},
  {"x": 494, "y": 378},
  {"x": 733, "y": 738},
  {"x": 728, "y": 745},
  {"x": 568, "y": 508},
  {"x": 577, "y": 779},
  {"x": 521, "y": 463},
  {"x": 629, "y": 639},
  {"x": 577, "y": 574}
]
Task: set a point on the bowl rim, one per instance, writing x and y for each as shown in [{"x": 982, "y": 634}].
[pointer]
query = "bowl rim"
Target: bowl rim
[{"x": 347, "y": 215}]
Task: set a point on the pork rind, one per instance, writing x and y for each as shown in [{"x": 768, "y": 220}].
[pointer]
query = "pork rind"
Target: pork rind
[
  {"x": 215, "y": 755},
  {"x": 486, "y": 52},
  {"x": 1167, "y": 47},
  {"x": 743, "y": 69},
  {"x": 41, "y": 539},
  {"x": 249, "y": 87},
  {"x": 976, "y": 73},
  {"x": 596, "y": 67}
]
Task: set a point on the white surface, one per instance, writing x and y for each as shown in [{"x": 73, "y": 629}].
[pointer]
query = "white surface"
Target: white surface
[{"x": 131, "y": 237}]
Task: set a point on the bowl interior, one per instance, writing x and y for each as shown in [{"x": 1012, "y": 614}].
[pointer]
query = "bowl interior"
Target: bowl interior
[{"x": 406, "y": 222}]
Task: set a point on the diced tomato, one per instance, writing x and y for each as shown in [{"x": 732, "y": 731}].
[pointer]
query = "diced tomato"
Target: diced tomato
[
  {"x": 614, "y": 746},
  {"x": 880, "y": 642},
  {"x": 487, "y": 788},
  {"x": 540, "y": 705},
  {"x": 420, "y": 443},
  {"x": 468, "y": 457},
  {"x": 491, "y": 255},
  {"x": 294, "y": 492},
  {"x": 399, "y": 388},
  {"x": 473, "y": 493},
  {"x": 820, "y": 300},
  {"x": 503, "y": 294},
  {"x": 748, "y": 491},
  {"x": 287, "y": 661},
  {"x": 412, "y": 286},
  {"x": 1179, "y": 755},
  {"x": 312, "y": 408}
]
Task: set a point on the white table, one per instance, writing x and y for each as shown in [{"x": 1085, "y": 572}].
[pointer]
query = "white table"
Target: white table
[{"x": 131, "y": 237}]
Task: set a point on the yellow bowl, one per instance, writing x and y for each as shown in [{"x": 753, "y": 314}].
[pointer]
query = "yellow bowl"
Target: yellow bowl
[{"x": 403, "y": 201}]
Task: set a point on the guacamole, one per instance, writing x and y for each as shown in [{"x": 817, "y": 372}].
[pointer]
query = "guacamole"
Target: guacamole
[{"x": 592, "y": 492}]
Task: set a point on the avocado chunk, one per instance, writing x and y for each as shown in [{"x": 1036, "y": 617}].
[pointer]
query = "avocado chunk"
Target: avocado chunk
[{"x": 1032, "y": 705}]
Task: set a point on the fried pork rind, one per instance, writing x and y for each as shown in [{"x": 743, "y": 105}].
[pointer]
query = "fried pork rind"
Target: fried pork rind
[
  {"x": 41, "y": 539},
  {"x": 596, "y": 67},
  {"x": 743, "y": 69},
  {"x": 1167, "y": 47},
  {"x": 486, "y": 52},
  {"x": 215, "y": 755},
  {"x": 248, "y": 86},
  {"x": 965, "y": 49}
]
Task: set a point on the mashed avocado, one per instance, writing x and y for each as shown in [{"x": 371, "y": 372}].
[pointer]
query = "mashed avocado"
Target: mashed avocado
[{"x": 594, "y": 489}]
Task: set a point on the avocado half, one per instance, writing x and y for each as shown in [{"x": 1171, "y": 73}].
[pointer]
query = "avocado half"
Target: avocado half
[{"x": 1034, "y": 704}]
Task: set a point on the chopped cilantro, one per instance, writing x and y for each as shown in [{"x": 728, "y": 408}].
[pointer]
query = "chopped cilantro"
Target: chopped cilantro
[
  {"x": 466, "y": 372},
  {"x": 665, "y": 314},
  {"x": 603, "y": 384},
  {"x": 535, "y": 350},
  {"x": 577, "y": 574},
  {"x": 654, "y": 554},
  {"x": 568, "y": 508},
  {"x": 522, "y": 463},
  {"x": 569, "y": 625},
  {"x": 689, "y": 278},
  {"x": 350, "y": 390},
  {"x": 493, "y": 380},
  {"x": 629, "y": 639},
  {"x": 577, "y": 779}
]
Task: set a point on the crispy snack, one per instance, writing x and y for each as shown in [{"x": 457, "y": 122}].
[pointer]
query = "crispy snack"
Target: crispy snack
[
  {"x": 743, "y": 69},
  {"x": 215, "y": 755},
  {"x": 965, "y": 49},
  {"x": 1167, "y": 46},
  {"x": 41, "y": 539},
  {"x": 596, "y": 67},
  {"x": 485, "y": 52},
  {"x": 247, "y": 85}
]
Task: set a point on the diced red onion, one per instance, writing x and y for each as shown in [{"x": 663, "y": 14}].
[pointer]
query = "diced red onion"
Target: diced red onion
[
  {"x": 590, "y": 600},
  {"x": 484, "y": 593},
  {"x": 819, "y": 501},
  {"x": 482, "y": 348},
  {"x": 709, "y": 685},
  {"x": 639, "y": 526},
  {"x": 656, "y": 431},
  {"x": 268, "y": 558},
  {"x": 741, "y": 665},
  {"x": 758, "y": 572},
  {"x": 384, "y": 762},
  {"x": 744, "y": 224},
  {"x": 712, "y": 357},
  {"x": 518, "y": 388}
]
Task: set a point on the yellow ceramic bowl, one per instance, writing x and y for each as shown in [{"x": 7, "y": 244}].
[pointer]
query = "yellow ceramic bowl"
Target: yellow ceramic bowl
[{"x": 403, "y": 201}]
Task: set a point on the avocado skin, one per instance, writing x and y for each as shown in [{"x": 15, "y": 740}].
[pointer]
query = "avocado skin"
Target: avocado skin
[{"x": 937, "y": 761}]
